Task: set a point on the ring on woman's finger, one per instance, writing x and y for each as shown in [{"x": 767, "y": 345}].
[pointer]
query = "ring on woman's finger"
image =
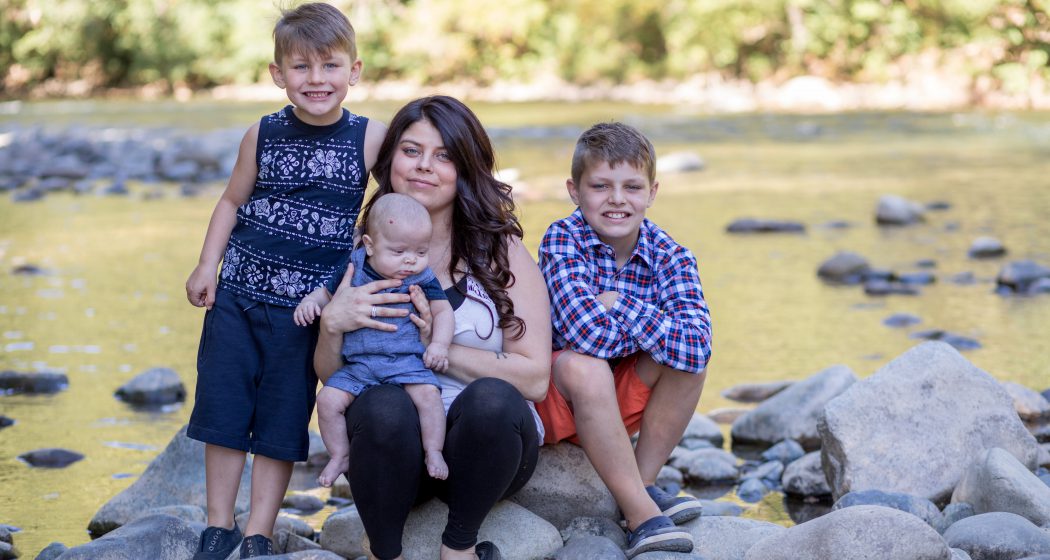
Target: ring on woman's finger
[{"x": 374, "y": 311}]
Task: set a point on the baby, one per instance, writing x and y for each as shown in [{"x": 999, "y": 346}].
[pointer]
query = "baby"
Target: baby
[{"x": 396, "y": 246}]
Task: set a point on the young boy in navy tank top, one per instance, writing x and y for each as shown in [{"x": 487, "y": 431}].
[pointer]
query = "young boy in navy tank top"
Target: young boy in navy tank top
[{"x": 281, "y": 227}]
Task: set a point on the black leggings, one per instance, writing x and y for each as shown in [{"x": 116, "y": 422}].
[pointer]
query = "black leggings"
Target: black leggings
[{"x": 491, "y": 446}]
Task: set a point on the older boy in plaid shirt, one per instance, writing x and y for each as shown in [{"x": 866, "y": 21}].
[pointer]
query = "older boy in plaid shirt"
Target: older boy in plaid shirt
[{"x": 632, "y": 333}]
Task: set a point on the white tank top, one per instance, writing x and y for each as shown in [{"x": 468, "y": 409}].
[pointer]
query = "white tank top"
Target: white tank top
[{"x": 476, "y": 327}]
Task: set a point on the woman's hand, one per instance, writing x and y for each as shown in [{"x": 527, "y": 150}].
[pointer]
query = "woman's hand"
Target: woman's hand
[
  {"x": 424, "y": 320},
  {"x": 357, "y": 307}
]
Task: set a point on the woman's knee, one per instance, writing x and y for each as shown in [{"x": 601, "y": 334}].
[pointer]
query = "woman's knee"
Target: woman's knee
[
  {"x": 383, "y": 412},
  {"x": 489, "y": 403}
]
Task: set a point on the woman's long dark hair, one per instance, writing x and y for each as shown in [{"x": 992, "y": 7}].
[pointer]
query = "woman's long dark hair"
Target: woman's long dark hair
[{"x": 483, "y": 209}]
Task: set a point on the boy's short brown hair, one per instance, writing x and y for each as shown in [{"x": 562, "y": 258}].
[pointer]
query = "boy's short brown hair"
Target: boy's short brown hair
[
  {"x": 313, "y": 28},
  {"x": 614, "y": 143}
]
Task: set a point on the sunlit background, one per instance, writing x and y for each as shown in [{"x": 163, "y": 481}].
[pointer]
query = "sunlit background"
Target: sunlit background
[{"x": 788, "y": 109}]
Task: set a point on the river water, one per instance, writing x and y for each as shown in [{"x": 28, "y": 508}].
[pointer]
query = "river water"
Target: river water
[{"x": 111, "y": 303}]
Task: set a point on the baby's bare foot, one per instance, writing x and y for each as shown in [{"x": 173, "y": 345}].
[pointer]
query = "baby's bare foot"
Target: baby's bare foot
[
  {"x": 335, "y": 467},
  {"x": 436, "y": 466}
]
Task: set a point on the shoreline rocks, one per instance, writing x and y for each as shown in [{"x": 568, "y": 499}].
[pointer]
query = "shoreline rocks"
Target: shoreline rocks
[{"x": 898, "y": 431}]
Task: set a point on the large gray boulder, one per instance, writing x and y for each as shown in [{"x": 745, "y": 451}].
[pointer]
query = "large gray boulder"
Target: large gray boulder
[
  {"x": 728, "y": 538},
  {"x": 793, "y": 412},
  {"x": 855, "y": 533},
  {"x": 157, "y": 537},
  {"x": 175, "y": 477},
  {"x": 996, "y": 481},
  {"x": 916, "y": 424},
  {"x": 517, "y": 532},
  {"x": 893, "y": 210},
  {"x": 566, "y": 486},
  {"x": 998, "y": 536},
  {"x": 805, "y": 477}
]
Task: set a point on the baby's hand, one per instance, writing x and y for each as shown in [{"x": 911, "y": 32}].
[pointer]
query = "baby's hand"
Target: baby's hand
[
  {"x": 306, "y": 312},
  {"x": 436, "y": 357}
]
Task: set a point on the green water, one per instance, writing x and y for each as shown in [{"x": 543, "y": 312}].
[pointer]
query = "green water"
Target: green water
[{"x": 113, "y": 305}]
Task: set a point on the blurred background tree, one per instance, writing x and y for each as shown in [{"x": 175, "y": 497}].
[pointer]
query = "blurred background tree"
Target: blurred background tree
[{"x": 204, "y": 43}]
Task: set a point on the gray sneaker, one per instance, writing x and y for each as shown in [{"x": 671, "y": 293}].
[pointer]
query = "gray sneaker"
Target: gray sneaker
[
  {"x": 217, "y": 543},
  {"x": 679, "y": 508},
  {"x": 658, "y": 533}
]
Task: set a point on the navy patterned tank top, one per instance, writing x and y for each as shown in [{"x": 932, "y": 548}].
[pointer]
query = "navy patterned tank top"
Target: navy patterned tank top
[{"x": 298, "y": 224}]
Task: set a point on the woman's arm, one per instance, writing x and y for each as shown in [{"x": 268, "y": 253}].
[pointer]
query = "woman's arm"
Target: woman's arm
[{"x": 525, "y": 362}]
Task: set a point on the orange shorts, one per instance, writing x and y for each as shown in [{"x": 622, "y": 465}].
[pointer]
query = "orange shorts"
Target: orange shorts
[{"x": 632, "y": 395}]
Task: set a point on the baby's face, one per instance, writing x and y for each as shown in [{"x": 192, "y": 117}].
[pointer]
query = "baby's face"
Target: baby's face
[{"x": 398, "y": 251}]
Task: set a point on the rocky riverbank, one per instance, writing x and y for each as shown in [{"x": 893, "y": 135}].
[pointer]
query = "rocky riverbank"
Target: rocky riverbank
[{"x": 928, "y": 458}]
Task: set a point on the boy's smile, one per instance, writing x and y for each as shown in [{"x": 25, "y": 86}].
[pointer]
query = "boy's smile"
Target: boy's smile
[
  {"x": 317, "y": 84},
  {"x": 613, "y": 201}
]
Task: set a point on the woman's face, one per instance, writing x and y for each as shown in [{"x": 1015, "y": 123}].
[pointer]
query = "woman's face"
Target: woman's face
[{"x": 423, "y": 169}]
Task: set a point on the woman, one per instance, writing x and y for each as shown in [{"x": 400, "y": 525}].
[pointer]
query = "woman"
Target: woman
[{"x": 437, "y": 152}]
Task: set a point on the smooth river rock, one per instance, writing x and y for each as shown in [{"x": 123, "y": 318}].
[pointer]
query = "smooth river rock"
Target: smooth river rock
[
  {"x": 51, "y": 458},
  {"x": 793, "y": 412},
  {"x": 893, "y": 210},
  {"x": 919, "y": 507},
  {"x": 702, "y": 428},
  {"x": 997, "y": 481},
  {"x": 728, "y": 538},
  {"x": 1030, "y": 405},
  {"x": 755, "y": 392},
  {"x": 915, "y": 425},
  {"x": 844, "y": 268},
  {"x": 1021, "y": 276},
  {"x": 998, "y": 536},
  {"x": 986, "y": 248},
  {"x": 805, "y": 477},
  {"x": 855, "y": 533},
  {"x": 343, "y": 533},
  {"x": 153, "y": 387},
  {"x": 758, "y": 225},
  {"x": 33, "y": 383}
]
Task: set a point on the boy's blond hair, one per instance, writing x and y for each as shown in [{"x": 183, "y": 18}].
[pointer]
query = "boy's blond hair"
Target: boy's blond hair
[
  {"x": 313, "y": 28},
  {"x": 614, "y": 143}
]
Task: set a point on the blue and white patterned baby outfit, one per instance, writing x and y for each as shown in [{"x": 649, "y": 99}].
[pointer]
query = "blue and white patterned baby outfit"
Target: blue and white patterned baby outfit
[{"x": 371, "y": 356}]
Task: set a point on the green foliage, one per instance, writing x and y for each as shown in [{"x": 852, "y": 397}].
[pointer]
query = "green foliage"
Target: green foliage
[{"x": 201, "y": 43}]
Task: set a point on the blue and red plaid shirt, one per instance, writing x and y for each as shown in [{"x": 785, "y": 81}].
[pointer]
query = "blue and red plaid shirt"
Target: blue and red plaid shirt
[{"x": 660, "y": 309}]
